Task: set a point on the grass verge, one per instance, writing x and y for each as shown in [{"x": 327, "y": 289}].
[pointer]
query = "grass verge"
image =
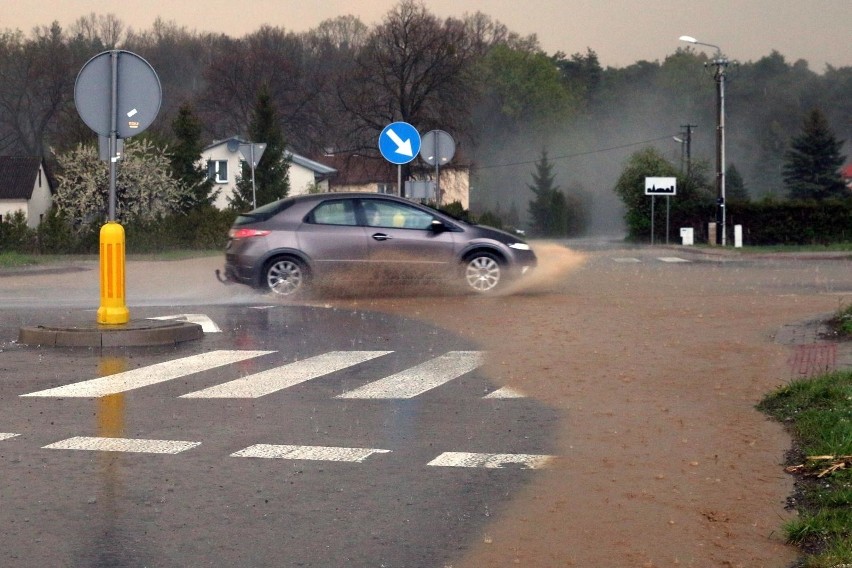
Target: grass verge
[
  {"x": 841, "y": 323},
  {"x": 818, "y": 412}
]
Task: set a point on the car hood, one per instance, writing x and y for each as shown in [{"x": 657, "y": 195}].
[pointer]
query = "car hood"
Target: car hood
[{"x": 496, "y": 234}]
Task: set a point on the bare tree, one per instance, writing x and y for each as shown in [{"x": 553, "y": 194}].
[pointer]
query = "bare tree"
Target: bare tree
[
  {"x": 270, "y": 59},
  {"x": 413, "y": 68},
  {"x": 36, "y": 83},
  {"x": 108, "y": 30}
]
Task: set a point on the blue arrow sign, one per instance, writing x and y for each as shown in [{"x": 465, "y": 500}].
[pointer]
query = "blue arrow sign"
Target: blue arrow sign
[{"x": 399, "y": 143}]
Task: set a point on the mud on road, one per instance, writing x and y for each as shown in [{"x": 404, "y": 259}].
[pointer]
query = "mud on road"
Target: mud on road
[{"x": 656, "y": 368}]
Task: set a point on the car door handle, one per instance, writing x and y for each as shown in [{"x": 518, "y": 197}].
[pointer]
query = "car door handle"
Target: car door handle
[{"x": 382, "y": 237}]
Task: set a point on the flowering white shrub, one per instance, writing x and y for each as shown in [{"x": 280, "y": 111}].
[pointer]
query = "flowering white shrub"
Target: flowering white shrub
[{"x": 144, "y": 189}]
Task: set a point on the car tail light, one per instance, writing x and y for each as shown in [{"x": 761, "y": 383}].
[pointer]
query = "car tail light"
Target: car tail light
[{"x": 246, "y": 233}]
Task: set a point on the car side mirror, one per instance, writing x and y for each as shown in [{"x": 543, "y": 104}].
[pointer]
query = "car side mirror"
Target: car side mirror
[{"x": 437, "y": 226}]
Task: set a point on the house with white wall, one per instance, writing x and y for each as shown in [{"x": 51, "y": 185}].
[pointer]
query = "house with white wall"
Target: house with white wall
[
  {"x": 223, "y": 161},
  {"x": 24, "y": 186},
  {"x": 376, "y": 175}
]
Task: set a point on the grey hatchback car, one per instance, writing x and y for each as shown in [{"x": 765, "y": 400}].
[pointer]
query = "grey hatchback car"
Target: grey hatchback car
[{"x": 286, "y": 246}]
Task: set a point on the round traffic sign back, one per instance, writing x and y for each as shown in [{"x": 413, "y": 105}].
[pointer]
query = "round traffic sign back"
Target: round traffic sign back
[
  {"x": 438, "y": 147},
  {"x": 137, "y": 88}
]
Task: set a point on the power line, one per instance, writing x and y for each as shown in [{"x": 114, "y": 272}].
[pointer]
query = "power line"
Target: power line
[{"x": 568, "y": 156}]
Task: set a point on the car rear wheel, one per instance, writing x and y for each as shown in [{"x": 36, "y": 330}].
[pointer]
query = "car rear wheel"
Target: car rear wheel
[
  {"x": 286, "y": 277},
  {"x": 483, "y": 272}
]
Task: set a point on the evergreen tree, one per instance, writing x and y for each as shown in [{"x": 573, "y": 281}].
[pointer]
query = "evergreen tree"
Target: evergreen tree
[
  {"x": 812, "y": 164},
  {"x": 185, "y": 160},
  {"x": 735, "y": 189},
  {"x": 272, "y": 173},
  {"x": 549, "y": 210}
]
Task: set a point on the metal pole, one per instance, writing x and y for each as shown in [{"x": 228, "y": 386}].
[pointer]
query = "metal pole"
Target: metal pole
[
  {"x": 689, "y": 128},
  {"x": 722, "y": 151},
  {"x": 653, "y": 197},
  {"x": 668, "y": 205},
  {"x": 437, "y": 172},
  {"x": 399, "y": 180},
  {"x": 113, "y": 134},
  {"x": 253, "y": 189},
  {"x": 720, "y": 63}
]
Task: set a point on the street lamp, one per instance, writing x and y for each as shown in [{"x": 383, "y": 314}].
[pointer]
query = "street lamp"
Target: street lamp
[{"x": 720, "y": 62}]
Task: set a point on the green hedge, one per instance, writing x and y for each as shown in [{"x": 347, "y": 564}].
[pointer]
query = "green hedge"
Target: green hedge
[
  {"x": 767, "y": 222},
  {"x": 200, "y": 229}
]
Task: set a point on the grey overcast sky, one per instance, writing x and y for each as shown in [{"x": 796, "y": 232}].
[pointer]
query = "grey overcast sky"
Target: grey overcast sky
[{"x": 620, "y": 31}]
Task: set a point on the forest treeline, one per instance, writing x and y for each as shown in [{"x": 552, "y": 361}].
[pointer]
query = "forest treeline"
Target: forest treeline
[{"x": 502, "y": 97}]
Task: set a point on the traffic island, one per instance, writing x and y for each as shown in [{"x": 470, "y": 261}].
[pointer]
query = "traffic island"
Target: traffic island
[{"x": 136, "y": 333}]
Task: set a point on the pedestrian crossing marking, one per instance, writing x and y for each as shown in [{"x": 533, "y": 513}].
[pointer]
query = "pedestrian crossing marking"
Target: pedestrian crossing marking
[
  {"x": 207, "y": 324},
  {"x": 123, "y": 445},
  {"x": 267, "y": 382},
  {"x": 313, "y": 453},
  {"x": 405, "y": 384},
  {"x": 506, "y": 392},
  {"x": 417, "y": 380},
  {"x": 490, "y": 461},
  {"x": 669, "y": 259},
  {"x": 6, "y": 436},
  {"x": 149, "y": 375}
]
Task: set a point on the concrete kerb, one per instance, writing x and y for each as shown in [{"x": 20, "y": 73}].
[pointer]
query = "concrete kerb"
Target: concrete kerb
[{"x": 135, "y": 333}]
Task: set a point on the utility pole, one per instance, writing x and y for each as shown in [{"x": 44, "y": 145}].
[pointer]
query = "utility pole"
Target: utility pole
[
  {"x": 720, "y": 63},
  {"x": 688, "y": 138}
]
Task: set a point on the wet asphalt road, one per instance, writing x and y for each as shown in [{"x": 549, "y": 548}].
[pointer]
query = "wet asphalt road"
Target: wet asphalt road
[
  {"x": 208, "y": 504},
  {"x": 204, "y": 506}
]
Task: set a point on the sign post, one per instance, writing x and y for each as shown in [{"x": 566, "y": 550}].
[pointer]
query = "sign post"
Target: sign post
[
  {"x": 399, "y": 143},
  {"x": 655, "y": 186},
  {"x": 117, "y": 94},
  {"x": 252, "y": 153},
  {"x": 437, "y": 148}
]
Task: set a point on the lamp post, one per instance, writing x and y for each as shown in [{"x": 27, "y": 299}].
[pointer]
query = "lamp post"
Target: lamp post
[{"x": 720, "y": 62}]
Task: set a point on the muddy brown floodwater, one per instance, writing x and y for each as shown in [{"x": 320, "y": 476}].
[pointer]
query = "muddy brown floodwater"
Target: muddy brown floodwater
[{"x": 656, "y": 368}]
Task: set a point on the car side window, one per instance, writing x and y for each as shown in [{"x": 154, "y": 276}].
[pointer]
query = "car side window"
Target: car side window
[
  {"x": 389, "y": 214},
  {"x": 338, "y": 212}
]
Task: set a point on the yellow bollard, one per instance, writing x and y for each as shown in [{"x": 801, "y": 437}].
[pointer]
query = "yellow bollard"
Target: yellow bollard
[{"x": 112, "y": 310}]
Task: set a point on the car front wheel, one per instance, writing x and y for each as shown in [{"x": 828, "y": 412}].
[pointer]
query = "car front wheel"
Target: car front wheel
[
  {"x": 483, "y": 272},
  {"x": 285, "y": 277}
]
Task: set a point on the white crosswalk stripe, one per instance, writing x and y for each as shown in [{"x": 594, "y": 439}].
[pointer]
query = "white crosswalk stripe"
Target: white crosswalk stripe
[
  {"x": 506, "y": 392},
  {"x": 490, "y": 461},
  {"x": 7, "y": 436},
  {"x": 632, "y": 260},
  {"x": 417, "y": 380},
  {"x": 314, "y": 453},
  {"x": 99, "y": 444},
  {"x": 150, "y": 375},
  {"x": 273, "y": 380}
]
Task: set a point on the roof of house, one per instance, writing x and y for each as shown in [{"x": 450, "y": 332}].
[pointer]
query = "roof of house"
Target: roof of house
[
  {"x": 18, "y": 176},
  {"x": 846, "y": 171},
  {"x": 355, "y": 169},
  {"x": 234, "y": 141}
]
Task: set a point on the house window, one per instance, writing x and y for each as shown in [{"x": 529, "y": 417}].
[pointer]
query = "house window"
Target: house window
[{"x": 217, "y": 171}]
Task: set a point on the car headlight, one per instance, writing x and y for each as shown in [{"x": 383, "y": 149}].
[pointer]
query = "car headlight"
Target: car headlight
[{"x": 520, "y": 246}]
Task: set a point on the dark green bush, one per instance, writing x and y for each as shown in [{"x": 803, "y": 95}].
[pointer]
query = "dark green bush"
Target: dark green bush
[{"x": 204, "y": 228}]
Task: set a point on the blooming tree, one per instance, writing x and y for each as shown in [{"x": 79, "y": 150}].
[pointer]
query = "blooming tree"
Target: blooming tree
[{"x": 144, "y": 189}]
